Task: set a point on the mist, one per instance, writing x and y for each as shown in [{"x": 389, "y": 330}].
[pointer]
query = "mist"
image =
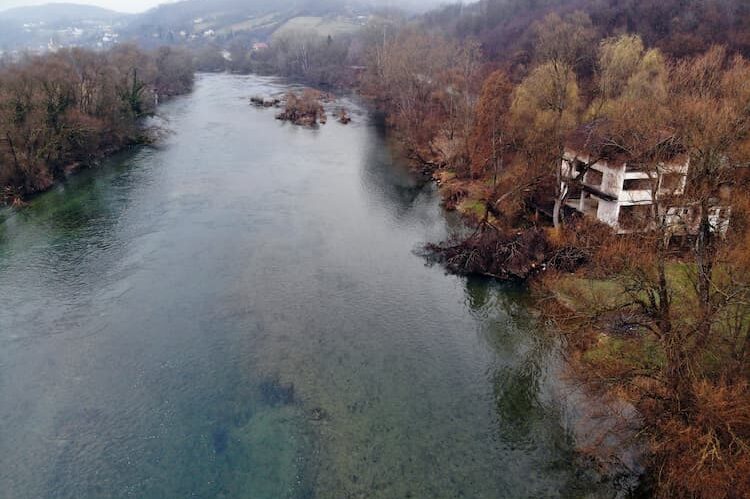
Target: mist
[
  {"x": 137, "y": 6},
  {"x": 130, "y": 6}
]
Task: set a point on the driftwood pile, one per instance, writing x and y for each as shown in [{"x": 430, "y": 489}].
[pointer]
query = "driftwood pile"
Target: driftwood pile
[
  {"x": 265, "y": 101},
  {"x": 303, "y": 109},
  {"x": 507, "y": 255},
  {"x": 306, "y": 108}
]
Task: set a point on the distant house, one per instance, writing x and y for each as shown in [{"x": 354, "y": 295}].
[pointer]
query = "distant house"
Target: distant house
[
  {"x": 622, "y": 193},
  {"x": 258, "y": 46}
]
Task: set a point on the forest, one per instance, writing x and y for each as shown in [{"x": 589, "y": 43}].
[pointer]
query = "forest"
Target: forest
[{"x": 63, "y": 111}]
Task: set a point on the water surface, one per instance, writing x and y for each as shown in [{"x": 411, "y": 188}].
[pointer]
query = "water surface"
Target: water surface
[{"x": 241, "y": 313}]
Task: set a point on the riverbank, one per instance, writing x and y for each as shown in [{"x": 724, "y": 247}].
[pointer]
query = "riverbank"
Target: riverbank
[
  {"x": 15, "y": 198},
  {"x": 664, "y": 331},
  {"x": 68, "y": 110},
  {"x": 683, "y": 407},
  {"x": 615, "y": 353}
]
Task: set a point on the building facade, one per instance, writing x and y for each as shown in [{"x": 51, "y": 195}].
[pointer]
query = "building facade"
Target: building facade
[{"x": 621, "y": 194}]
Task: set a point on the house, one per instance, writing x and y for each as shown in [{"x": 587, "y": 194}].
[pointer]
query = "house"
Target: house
[
  {"x": 258, "y": 46},
  {"x": 607, "y": 186}
]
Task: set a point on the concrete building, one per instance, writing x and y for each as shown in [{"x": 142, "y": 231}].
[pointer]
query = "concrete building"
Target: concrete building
[{"x": 621, "y": 193}]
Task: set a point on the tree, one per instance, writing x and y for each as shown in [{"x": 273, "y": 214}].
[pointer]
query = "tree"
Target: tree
[
  {"x": 60, "y": 111},
  {"x": 567, "y": 40},
  {"x": 548, "y": 97},
  {"x": 693, "y": 310},
  {"x": 546, "y": 106},
  {"x": 711, "y": 98},
  {"x": 490, "y": 139}
]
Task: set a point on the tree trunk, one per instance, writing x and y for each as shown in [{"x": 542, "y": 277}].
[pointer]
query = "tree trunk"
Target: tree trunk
[
  {"x": 678, "y": 371},
  {"x": 559, "y": 201},
  {"x": 556, "y": 213},
  {"x": 704, "y": 256}
]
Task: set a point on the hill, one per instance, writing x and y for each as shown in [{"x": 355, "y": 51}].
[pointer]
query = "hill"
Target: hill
[
  {"x": 678, "y": 27},
  {"x": 58, "y": 13},
  {"x": 199, "y": 21}
]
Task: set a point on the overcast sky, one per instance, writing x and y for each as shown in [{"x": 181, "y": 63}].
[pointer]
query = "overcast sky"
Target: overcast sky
[{"x": 119, "y": 5}]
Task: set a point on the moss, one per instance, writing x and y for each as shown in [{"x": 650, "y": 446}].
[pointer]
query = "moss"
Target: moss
[
  {"x": 472, "y": 207},
  {"x": 653, "y": 356}
]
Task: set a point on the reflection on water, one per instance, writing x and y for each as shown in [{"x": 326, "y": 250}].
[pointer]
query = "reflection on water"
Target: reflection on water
[{"x": 241, "y": 313}]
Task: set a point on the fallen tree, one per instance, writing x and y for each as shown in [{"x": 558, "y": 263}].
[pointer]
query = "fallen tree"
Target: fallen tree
[{"x": 509, "y": 254}]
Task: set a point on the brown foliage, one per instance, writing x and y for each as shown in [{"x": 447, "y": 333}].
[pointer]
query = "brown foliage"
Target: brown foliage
[
  {"x": 64, "y": 110},
  {"x": 504, "y": 255},
  {"x": 303, "y": 109},
  {"x": 679, "y": 27},
  {"x": 427, "y": 84},
  {"x": 490, "y": 138},
  {"x": 677, "y": 305},
  {"x": 705, "y": 451}
]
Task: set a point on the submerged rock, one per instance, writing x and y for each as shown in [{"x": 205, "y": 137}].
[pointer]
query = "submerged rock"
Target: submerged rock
[
  {"x": 274, "y": 393},
  {"x": 318, "y": 414},
  {"x": 220, "y": 439}
]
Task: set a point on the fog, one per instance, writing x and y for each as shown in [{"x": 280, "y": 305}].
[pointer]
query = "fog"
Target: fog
[
  {"x": 133, "y": 6},
  {"x": 130, "y": 6}
]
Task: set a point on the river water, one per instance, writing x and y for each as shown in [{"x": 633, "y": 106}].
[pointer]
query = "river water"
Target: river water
[{"x": 241, "y": 312}]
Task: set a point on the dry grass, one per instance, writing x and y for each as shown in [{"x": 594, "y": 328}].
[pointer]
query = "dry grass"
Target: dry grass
[{"x": 705, "y": 452}]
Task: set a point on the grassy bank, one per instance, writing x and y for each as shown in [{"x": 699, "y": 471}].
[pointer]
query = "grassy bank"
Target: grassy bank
[{"x": 697, "y": 442}]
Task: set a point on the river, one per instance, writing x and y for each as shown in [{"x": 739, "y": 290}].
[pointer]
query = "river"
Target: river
[{"x": 241, "y": 312}]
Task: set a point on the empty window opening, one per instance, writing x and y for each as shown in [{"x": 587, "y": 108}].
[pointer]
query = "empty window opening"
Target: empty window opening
[
  {"x": 637, "y": 184},
  {"x": 634, "y": 217}
]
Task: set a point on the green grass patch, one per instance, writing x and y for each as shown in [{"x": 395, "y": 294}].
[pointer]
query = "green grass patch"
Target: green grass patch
[
  {"x": 582, "y": 293},
  {"x": 472, "y": 207},
  {"x": 641, "y": 353},
  {"x": 250, "y": 24},
  {"x": 321, "y": 26}
]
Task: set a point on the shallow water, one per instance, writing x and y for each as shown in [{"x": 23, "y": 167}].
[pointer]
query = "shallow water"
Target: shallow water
[{"x": 241, "y": 313}]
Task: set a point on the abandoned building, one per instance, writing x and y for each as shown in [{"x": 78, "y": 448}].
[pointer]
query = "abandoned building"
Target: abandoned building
[{"x": 621, "y": 194}]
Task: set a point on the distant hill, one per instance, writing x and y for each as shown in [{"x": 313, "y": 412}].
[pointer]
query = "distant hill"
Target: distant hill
[
  {"x": 58, "y": 13},
  {"x": 222, "y": 12},
  {"x": 197, "y": 21},
  {"x": 44, "y": 27},
  {"x": 678, "y": 27},
  {"x": 192, "y": 22}
]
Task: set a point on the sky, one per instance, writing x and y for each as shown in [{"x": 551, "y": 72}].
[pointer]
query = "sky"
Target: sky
[{"x": 118, "y": 5}]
